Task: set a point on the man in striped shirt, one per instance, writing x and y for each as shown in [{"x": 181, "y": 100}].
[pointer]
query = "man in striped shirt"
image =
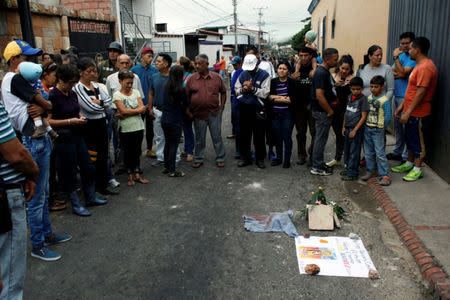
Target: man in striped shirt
[{"x": 18, "y": 177}]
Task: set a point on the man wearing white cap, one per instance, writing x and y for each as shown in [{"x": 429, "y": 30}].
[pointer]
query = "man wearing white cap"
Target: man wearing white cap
[{"x": 252, "y": 89}]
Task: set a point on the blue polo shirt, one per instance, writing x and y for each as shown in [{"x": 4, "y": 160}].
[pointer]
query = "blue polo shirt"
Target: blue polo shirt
[
  {"x": 144, "y": 74},
  {"x": 402, "y": 83},
  {"x": 157, "y": 85}
]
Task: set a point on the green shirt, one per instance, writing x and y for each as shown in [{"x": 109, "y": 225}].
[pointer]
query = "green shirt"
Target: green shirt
[{"x": 131, "y": 123}]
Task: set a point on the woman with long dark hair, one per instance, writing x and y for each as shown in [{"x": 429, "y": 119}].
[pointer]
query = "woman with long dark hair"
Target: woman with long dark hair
[
  {"x": 375, "y": 67},
  {"x": 188, "y": 131},
  {"x": 283, "y": 95},
  {"x": 173, "y": 110},
  {"x": 93, "y": 101},
  {"x": 342, "y": 77}
]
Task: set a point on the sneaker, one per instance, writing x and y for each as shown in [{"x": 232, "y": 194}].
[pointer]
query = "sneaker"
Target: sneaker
[
  {"x": 151, "y": 153},
  {"x": 333, "y": 163},
  {"x": 403, "y": 168},
  {"x": 385, "y": 181},
  {"x": 45, "y": 254},
  {"x": 321, "y": 172},
  {"x": 53, "y": 135},
  {"x": 56, "y": 238},
  {"x": 158, "y": 163},
  {"x": 413, "y": 175},
  {"x": 113, "y": 183},
  {"x": 366, "y": 176},
  {"x": 40, "y": 131}
]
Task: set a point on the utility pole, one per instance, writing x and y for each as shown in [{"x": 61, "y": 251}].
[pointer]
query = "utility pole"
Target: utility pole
[
  {"x": 260, "y": 24},
  {"x": 235, "y": 26},
  {"x": 25, "y": 22}
]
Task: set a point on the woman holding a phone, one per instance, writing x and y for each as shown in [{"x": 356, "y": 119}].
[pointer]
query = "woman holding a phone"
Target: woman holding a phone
[
  {"x": 70, "y": 149},
  {"x": 94, "y": 100},
  {"x": 342, "y": 76}
]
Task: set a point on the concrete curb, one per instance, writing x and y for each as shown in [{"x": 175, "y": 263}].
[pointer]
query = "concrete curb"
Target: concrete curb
[{"x": 436, "y": 277}]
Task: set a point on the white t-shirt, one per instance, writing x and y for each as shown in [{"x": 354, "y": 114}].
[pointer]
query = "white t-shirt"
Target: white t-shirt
[
  {"x": 113, "y": 85},
  {"x": 16, "y": 108}
]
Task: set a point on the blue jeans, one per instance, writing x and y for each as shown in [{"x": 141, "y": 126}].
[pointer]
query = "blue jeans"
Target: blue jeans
[
  {"x": 38, "y": 214},
  {"x": 189, "y": 139},
  {"x": 13, "y": 248},
  {"x": 374, "y": 147},
  {"x": 323, "y": 124},
  {"x": 352, "y": 151},
  {"x": 282, "y": 126},
  {"x": 400, "y": 145}
]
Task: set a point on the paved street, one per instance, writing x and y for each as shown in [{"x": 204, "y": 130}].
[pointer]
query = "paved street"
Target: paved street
[{"x": 183, "y": 238}]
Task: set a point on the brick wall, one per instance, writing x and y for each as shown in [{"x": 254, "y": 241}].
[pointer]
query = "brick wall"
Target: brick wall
[
  {"x": 50, "y": 23},
  {"x": 48, "y": 31},
  {"x": 96, "y": 6}
]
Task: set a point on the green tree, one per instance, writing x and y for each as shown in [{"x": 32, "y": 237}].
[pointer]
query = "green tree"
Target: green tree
[{"x": 298, "y": 40}]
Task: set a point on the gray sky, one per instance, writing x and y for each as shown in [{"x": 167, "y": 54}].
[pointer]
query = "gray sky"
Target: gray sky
[{"x": 282, "y": 17}]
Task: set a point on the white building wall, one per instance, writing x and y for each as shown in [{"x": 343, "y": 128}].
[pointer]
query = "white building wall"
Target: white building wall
[
  {"x": 176, "y": 45},
  {"x": 210, "y": 51}
]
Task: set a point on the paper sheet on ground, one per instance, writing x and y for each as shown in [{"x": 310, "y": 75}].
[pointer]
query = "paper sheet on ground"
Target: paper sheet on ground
[{"x": 336, "y": 256}]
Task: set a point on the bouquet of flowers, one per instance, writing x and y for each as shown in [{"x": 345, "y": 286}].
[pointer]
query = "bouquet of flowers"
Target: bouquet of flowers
[{"x": 318, "y": 198}]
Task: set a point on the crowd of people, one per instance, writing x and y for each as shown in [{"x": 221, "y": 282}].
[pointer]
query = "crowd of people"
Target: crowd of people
[{"x": 59, "y": 120}]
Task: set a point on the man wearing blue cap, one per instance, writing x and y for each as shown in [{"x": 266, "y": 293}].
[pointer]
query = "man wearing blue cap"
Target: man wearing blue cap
[
  {"x": 236, "y": 62},
  {"x": 17, "y": 95}
]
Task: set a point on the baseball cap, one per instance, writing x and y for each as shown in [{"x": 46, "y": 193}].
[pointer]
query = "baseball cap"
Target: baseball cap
[
  {"x": 18, "y": 47},
  {"x": 30, "y": 71},
  {"x": 146, "y": 50},
  {"x": 236, "y": 60},
  {"x": 250, "y": 62}
]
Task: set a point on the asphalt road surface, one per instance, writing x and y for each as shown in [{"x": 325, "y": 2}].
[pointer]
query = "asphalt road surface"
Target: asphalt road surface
[{"x": 183, "y": 238}]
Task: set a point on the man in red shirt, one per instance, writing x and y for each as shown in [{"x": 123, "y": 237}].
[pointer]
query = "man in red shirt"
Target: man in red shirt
[
  {"x": 207, "y": 95},
  {"x": 415, "y": 110}
]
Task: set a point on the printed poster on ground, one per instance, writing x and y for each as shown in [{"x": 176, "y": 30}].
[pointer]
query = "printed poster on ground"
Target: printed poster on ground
[{"x": 336, "y": 256}]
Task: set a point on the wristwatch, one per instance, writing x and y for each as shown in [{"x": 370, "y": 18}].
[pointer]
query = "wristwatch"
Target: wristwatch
[{"x": 395, "y": 57}]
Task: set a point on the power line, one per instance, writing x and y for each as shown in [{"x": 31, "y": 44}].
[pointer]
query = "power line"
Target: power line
[
  {"x": 215, "y": 6},
  {"x": 203, "y": 24},
  {"x": 204, "y": 7}
]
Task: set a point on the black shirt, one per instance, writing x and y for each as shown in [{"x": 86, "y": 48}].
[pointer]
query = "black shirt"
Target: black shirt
[
  {"x": 343, "y": 92},
  {"x": 322, "y": 80},
  {"x": 65, "y": 107},
  {"x": 304, "y": 85},
  {"x": 173, "y": 108}
]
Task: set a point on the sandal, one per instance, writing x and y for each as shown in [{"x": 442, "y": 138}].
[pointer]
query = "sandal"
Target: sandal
[
  {"x": 176, "y": 174},
  {"x": 140, "y": 179},
  {"x": 130, "y": 180}
]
